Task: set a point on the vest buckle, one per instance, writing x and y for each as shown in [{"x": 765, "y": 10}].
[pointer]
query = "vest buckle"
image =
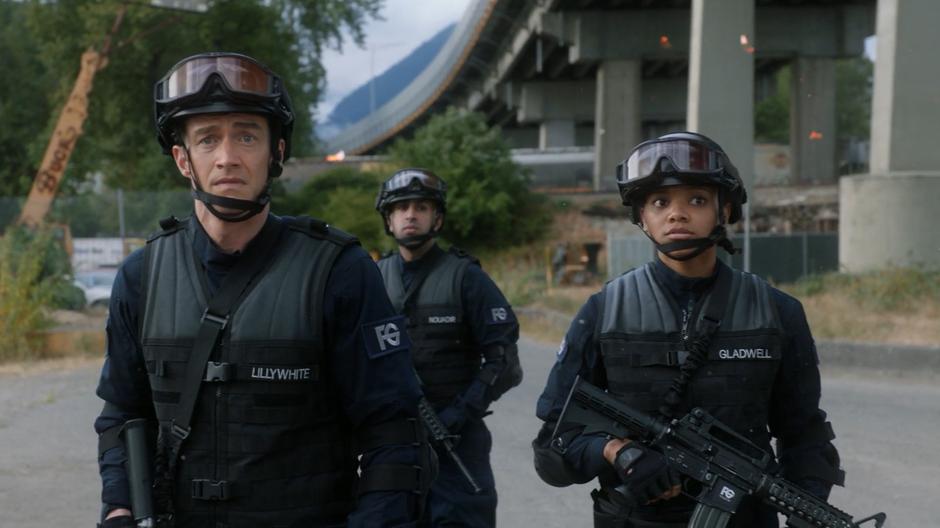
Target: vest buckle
[
  {"x": 678, "y": 357},
  {"x": 212, "y": 318},
  {"x": 179, "y": 432},
  {"x": 217, "y": 371},
  {"x": 212, "y": 490}
]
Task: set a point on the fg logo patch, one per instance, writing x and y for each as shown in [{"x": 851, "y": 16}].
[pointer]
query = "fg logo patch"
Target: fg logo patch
[
  {"x": 388, "y": 335},
  {"x": 727, "y": 493},
  {"x": 384, "y": 337},
  {"x": 499, "y": 315}
]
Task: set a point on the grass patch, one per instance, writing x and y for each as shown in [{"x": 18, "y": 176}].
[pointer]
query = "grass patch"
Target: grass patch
[
  {"x": 25, "y": 292},
  {"x": 519, "y": 272},
  {"x": 894, "y": 305}
]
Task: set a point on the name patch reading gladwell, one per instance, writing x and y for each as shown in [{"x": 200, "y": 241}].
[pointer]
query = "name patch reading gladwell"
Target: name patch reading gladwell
[{"x": 745, "y": 353}]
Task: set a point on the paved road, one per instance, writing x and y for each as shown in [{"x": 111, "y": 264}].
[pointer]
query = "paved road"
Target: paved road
[{"x": 887, "y": 435}]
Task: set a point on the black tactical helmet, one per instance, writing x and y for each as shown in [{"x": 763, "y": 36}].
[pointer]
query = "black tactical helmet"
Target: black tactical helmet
[
  {"x": 680, "y": 158},
  {"x": 218, "y": 82},
  {"x": 411, "y": 184}
]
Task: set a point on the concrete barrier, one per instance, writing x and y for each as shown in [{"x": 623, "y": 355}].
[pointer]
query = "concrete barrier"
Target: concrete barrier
[{"x": 904, "y": 361}]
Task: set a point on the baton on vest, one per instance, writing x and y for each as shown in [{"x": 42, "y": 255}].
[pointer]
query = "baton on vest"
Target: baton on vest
[{"x": 139, "y": 472}]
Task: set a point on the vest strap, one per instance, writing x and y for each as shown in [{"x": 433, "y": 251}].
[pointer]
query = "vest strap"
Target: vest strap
[
  {"x": 223, "y": 372},
  {"x": 213, "y": 490},
  {"x": 399, "y": 432},
  {"x": 390, "y": 477},
  {"x": 214, "y": 320},
  {"x": 109, "y": 439},
  {"x": 669, "y": 358}
]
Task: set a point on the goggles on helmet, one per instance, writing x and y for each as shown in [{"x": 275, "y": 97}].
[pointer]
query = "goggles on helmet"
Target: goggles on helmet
[
  {"x": 241, "y": 75},
  {"x": 683, "y": 155},
  {"x": 414, "y": 180}
]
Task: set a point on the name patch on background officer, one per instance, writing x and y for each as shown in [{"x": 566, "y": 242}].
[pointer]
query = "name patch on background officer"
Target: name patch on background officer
[
  {"x": 385, "y": 337},
  {"x": 499, "y": 315}
]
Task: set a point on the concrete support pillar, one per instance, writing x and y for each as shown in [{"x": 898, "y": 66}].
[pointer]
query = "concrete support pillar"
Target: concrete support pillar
[
  {"x": 721, "y": 78},
  {"x": 721, "y": 86},
  {"x": 556, "y": 133},
  {"x": 813, "y": 120},
  {"x": 617, "y": 120},
  {"x": 888, "y": 217}
]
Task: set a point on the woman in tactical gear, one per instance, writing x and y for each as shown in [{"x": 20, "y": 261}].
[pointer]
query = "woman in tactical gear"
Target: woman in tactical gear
[
  {"x": 686, "y": 331},
  {"x": 279, "y": 381},
  {"x": 464, "y": 334}
]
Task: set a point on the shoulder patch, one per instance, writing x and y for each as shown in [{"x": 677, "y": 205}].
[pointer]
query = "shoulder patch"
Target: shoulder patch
[
  {"x": 385, "y": 337},
  {"x": 500, "y": 315},
  {"x": 562, "y": 348}
]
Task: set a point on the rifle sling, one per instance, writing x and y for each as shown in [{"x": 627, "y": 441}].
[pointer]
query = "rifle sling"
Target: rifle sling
[{"x": 690, "y": 362}]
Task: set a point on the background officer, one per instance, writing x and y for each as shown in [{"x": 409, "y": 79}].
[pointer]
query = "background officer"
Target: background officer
[
  {"x": 264, "y": 347},
  {"x": 464, "y": 335},
  {"x": 645, "y": 338}
]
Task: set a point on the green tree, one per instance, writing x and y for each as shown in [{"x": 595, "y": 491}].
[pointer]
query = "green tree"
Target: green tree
[
  {"x": 43, "y": 41},
  {"x": 854, "y": 81},
  {"x": 23, "y": 108},
  {"x": 343, "y": 197},
  {"x": 772, "y": 115},
  {"x": 853, "y": 104},
  {"x": 488, "y": 200}
]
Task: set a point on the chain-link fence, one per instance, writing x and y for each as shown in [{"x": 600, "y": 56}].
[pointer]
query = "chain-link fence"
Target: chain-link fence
[
  {"x": 775, "y": 257},
  {"x": 107, "y": 214},
  {"x": 104, "y": 227}
]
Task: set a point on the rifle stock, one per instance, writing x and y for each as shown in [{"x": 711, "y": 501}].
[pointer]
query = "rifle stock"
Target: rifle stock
[{"x": 720, "y": 467}]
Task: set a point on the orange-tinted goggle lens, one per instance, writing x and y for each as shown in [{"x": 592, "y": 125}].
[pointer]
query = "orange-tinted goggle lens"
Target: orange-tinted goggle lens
[{"x": 241, "y": 75}]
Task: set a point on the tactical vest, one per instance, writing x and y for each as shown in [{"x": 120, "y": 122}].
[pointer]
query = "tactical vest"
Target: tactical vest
[
  {"x": 445, "y": 356},
  {"x": 267, "y": 447},
  {"x": 642, "y": 337}
]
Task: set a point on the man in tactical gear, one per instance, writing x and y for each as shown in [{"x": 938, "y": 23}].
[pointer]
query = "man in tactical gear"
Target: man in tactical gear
[
  {"x": 464, "y": 335},
  {"x": 270, "y": 362},
  {"x": 686, "y": 331}
]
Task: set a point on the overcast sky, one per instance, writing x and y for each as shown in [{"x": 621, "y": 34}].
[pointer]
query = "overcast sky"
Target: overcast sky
[{"x": 406, "y": 24}]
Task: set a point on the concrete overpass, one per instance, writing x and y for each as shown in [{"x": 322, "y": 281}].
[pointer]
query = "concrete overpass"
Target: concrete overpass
[{"x": 606, "y": 74}]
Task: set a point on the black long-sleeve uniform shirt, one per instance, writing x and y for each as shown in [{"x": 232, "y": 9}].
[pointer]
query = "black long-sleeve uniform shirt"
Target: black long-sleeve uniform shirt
[
  {"x": 480, "y": 297},
  {"x": 374, "y": 389},
  {"x": 794, "y": 405}
]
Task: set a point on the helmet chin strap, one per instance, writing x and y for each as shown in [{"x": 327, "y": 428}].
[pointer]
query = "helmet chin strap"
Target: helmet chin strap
[
  {"x": 246, "y": 208},
  {"x": 414, "y": 241},
  {"x": 718, "y": 236}
]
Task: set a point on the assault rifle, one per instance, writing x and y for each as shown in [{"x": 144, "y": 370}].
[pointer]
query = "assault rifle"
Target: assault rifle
[
  {"x": 719, "y": 466},
  {"x": 439, "y": 434}
]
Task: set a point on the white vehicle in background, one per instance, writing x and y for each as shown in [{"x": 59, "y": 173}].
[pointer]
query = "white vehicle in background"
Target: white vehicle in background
[{"x": 97, "y": 286}]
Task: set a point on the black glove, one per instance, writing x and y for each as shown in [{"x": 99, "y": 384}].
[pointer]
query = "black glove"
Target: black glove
[
  {"x": 646, "y": 474},
  {"x": 454, "y": 418},
  {"x": 123, "y": 521}
]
